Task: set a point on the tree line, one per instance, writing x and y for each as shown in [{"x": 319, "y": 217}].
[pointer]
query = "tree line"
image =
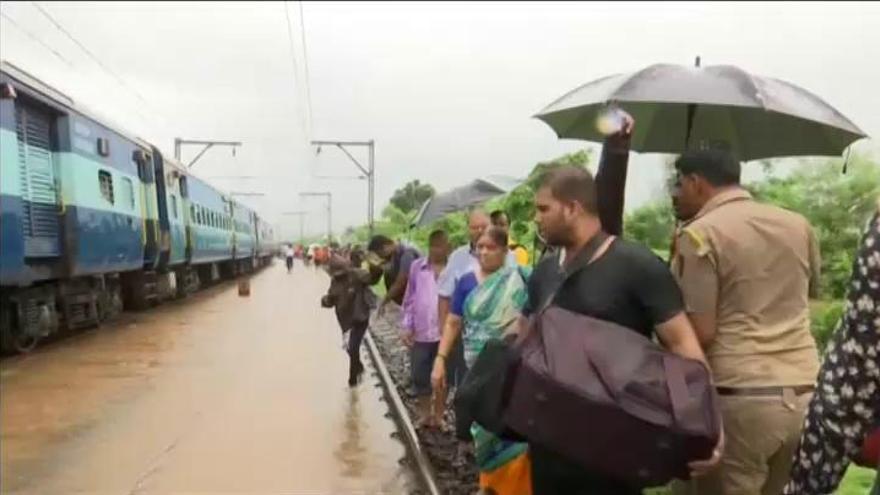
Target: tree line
[{"x": 837, "y": 204}]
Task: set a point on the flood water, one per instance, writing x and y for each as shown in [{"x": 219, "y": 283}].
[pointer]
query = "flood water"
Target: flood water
[{"x": 214, "y": 394}]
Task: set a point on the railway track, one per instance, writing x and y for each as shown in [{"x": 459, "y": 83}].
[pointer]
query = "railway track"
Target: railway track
[{"x": 404, "y": 422}]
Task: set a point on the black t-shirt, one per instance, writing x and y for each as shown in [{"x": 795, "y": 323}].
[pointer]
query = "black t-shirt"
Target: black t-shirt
[{"x": 628, "y": 285}]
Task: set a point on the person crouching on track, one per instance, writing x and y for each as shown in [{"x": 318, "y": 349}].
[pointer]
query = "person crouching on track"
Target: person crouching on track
[{"x": 350, "y": 295}]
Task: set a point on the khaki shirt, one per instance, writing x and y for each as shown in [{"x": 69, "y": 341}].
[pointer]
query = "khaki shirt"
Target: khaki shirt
[{"x": 753, "y": 266}]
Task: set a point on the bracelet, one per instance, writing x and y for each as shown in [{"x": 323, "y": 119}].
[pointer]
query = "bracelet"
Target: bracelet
[{"x": 441, "y": 356}]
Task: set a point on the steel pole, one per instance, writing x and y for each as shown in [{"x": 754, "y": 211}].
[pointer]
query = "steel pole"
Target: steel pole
[
  {"x": 329, "y": 217},
  {"x": 371, "y": 187},
  {"x": 369, "y": 172}
]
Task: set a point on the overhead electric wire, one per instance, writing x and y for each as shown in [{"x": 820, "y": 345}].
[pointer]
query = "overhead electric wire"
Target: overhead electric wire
[
  {"x": 302, "y": 25},
  {"x": 119, "y": 80},
  {"x": 34, "y": 38},
  {"x": 296, "y": 78},
  {"x": 88, "y": 52}
]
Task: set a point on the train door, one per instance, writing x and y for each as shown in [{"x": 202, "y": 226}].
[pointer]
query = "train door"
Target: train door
[
  {"x": 149, "y": 207},
  {"x": 38, "y": 181},
  {"x": 188, "y": 217}
]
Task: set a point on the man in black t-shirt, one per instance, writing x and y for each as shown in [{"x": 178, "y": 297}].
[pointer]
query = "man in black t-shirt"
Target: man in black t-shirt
[{"x": 626, "y": 284}]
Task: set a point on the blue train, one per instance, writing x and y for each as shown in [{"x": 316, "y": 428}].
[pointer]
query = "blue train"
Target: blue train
[{"x": 93, "y": 220}]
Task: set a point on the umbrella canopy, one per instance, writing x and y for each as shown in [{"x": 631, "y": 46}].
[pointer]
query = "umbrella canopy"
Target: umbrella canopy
[
  {"x": 679, "y": 108},
  {"x": 464, "y": 197}
]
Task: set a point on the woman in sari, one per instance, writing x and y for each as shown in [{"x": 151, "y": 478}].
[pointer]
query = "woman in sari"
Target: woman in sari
[{"x": 485, "y": 305}]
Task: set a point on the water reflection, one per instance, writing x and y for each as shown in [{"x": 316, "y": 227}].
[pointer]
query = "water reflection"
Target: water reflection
[{"x": 351, "y": 452}]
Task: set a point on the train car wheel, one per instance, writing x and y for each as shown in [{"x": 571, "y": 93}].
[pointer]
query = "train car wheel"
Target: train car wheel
[{"x": 23, "y": 343}]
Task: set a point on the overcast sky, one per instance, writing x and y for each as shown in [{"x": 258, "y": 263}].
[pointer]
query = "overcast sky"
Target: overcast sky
[{"x": 447, "y": 90}]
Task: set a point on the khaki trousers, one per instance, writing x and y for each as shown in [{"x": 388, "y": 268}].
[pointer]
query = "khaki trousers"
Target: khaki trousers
[{"x": 762, "y": 434}]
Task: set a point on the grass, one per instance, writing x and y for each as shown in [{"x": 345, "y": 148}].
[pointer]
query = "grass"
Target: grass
[
  {"x": 379, "y": 289},
  {"x": 858, "y": 481}
]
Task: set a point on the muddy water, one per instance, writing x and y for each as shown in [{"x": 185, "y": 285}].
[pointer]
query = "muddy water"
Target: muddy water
[{"x": 217, "y": 394}]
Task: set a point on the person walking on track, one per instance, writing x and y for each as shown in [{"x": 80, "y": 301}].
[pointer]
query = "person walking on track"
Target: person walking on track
[
  {"x": 288, "y": 254},
  {"x": 352, "y": 298}
]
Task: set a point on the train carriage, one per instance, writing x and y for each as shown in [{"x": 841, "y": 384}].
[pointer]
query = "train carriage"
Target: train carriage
[
  {"x": 245, "y": 237},
  {"x": 266, "y": 244},
  {"x": 210, "y": 232},
  {"x": 75, "y": 201},
  {"x": 92, "y": 218}
]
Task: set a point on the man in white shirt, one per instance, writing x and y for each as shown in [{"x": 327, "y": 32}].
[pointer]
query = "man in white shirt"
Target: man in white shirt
[{"x": 288, "y": 253}]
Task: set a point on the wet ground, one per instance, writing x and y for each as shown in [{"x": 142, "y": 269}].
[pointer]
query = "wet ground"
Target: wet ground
[{"x": 214, "y": 394}]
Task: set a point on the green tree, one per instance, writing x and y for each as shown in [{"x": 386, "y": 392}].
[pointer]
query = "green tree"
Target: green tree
[
  {"x": 651, "y": 225},
  {"x": 519, "y": 203},
  {"x": 411, "y": 196},
  {"x": 837, "y": 205}
]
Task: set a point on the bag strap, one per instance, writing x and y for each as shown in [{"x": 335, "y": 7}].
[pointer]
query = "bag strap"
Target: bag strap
[{"x": 594, "y": 248}]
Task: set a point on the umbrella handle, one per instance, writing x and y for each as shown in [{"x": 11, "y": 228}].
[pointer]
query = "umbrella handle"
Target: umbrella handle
[{"x": 691, "y": 111}]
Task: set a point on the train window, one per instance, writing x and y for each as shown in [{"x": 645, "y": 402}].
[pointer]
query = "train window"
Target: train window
[
  {"x": 174, "y": 206},
  {"x": 128, "y": 192},
  {"x": 103, "y": 147},
  {"x": 192, "y": 213},
  {"x": 105, "y": 181}
]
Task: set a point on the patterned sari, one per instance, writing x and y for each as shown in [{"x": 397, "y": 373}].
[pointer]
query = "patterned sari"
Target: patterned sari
[
  {"x": 845, "y": 406},
  {"x": 490, "y": 310}
]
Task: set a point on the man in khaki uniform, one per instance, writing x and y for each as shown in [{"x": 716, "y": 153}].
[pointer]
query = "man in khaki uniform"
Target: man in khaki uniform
[{"x": 747, "y": 271}]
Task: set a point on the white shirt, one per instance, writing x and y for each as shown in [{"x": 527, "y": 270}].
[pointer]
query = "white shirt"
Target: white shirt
[{"x": 462, "y": 261}]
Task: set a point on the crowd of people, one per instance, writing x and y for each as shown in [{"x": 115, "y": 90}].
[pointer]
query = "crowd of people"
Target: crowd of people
[
  {"x": 734, "y": 294},
  {"x": 315, "y": 255}
]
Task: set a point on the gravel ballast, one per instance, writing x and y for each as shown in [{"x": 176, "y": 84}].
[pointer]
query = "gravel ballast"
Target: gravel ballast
[{"x": 454, "y": 468}]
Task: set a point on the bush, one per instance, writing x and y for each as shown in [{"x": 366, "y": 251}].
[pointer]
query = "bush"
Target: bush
[{"x": 825, "y": 316}]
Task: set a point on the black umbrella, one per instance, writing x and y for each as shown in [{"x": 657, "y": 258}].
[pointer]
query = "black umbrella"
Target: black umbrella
[
  {"x": 464, "y": 197},
  {"x": 679, "y": 108}
]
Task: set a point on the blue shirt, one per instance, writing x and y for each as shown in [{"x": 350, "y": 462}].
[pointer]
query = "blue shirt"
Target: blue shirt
[
  {"x": 466, "y": 284},
  {"x": 461, "y": 261}
]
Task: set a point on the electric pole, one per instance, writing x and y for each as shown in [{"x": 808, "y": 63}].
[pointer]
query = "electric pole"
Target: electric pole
[
  {"x": 329, "y": 197},
  {"x": 301, "y": 215},
  {"x": 178, "y": 143},
  {"x": 369, "y": 171}
]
